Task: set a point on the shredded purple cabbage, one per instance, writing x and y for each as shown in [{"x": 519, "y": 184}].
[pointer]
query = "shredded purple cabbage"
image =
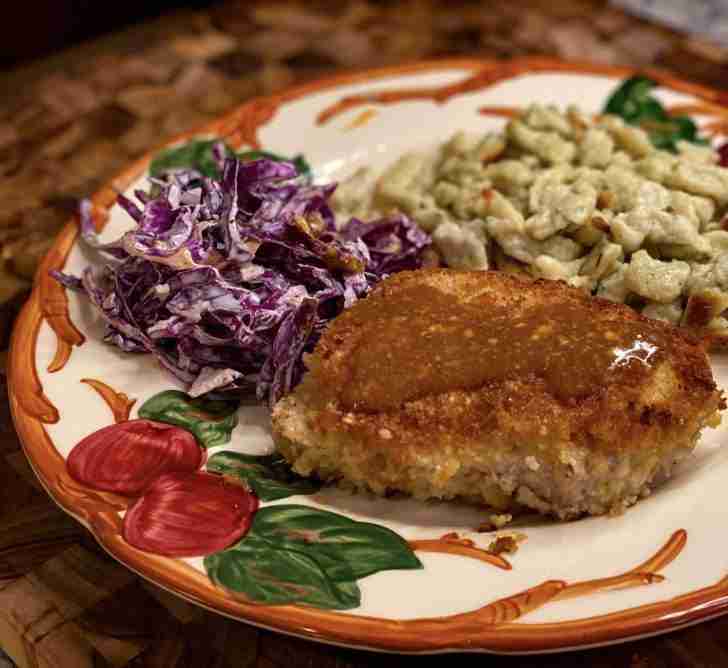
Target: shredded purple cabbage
[{"x": 229, "y": 282}]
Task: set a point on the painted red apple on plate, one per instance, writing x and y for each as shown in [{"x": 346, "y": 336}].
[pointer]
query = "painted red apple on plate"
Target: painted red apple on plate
[
  {"x": 189, "y": 514},
  {"x": 125, "y": 458}
]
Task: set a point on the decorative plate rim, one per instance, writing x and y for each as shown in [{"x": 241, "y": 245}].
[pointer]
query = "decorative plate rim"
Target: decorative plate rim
[{"x": 31, "y": 410}]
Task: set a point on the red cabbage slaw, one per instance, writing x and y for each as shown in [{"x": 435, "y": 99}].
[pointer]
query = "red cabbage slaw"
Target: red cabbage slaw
[{"x": 228, "y": 281}]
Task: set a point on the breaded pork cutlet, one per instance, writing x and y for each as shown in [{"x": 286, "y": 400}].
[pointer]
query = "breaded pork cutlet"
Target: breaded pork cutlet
[{"x": 446, "y": 384}]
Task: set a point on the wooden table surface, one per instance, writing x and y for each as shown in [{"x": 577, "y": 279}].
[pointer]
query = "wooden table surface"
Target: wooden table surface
[{"x": 71, "y": 120}]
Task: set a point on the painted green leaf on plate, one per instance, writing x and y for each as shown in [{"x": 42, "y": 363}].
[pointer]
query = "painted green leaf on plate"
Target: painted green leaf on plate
[
  {"x": 300, "y": 554},
  {"x": 195, "y": 154},
  {"x": 633, "y": 101},
  {"x": 267, "y": 574},
  {"x": 210, "y": 420},
  {"x": 268, "y": 476},
  {"x": 345, "y": 548}
]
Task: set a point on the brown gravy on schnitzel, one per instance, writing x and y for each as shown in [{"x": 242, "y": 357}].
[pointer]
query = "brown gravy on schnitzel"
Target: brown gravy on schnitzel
[{"x": 420, "y": 341}]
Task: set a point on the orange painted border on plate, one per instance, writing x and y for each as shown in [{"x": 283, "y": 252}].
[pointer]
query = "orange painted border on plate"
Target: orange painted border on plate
[{"x": 30, "y": 409}]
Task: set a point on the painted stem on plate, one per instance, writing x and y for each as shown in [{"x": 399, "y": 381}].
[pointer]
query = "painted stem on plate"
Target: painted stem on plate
[
  {"x": 118, "y": 402},
  {"x": 54, "y": 306},
  {"x": 451, "y": 543},
  {"x": 492, "y": 72},
  {"x": 502, "y": 112}
]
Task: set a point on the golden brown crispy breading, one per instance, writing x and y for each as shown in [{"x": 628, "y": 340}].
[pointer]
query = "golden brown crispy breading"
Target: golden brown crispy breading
[{"x": 447, "y": 383}]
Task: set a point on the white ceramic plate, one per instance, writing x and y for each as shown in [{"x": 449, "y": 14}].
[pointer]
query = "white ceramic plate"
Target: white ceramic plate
[{"x": 559, "y": 591}]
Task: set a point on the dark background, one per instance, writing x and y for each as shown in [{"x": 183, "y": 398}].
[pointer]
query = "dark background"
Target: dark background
[{"x": 34, "y": 29}]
